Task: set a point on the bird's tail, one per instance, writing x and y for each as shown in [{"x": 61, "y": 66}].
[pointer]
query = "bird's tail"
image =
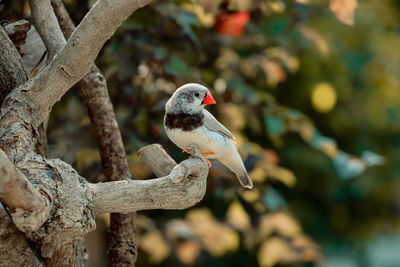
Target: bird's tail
[
  {"x": 235, "y": 164},
  {"x": 245, "y": 180}
]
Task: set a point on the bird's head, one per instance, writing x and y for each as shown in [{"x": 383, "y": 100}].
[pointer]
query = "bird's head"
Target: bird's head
[{"x": 189, "y": 98}]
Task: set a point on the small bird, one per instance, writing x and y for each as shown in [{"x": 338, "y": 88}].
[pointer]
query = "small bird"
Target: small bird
[{"x": 186, "y": 122}]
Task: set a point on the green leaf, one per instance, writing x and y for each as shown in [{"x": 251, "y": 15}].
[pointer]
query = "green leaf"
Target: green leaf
[
  {"x": 275, "y": 125},
  {"x": 274, "y": 199},
  {"x": 176, "y": 67}
]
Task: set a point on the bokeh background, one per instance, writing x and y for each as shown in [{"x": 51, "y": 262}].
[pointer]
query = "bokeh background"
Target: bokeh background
[{"x": 310, "y": 88}]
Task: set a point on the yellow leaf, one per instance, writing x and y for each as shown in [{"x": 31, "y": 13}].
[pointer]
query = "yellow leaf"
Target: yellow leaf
[
  {"x": 154, "y": 244},
  {"x": 238, "y": 217},
  {"x": 188, "y": 251},
  {"x": 258, "y": 175},
  {"x": 279, "y": 222},
  {"x": 276, "y": 250},
  {"x": 216, "y": 237},
  {"x": 205, "y": 18},
  {"x": 283, "y": 175},
  {"x": 251, "y": 195},
  {"x": 344, "y": 10}
]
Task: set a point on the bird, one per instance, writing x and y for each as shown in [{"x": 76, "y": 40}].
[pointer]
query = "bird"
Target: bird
[{"x": 187, "y": 122}]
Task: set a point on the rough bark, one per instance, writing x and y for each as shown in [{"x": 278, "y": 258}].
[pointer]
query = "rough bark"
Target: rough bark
[
  {"x": 73, "y": 202},
  {"x": 12, "y": 71},
  {"x": 183, "y": 186},
  {"x": 28, "y": 207},
  {"x": 93, "y": 91},
  {"x": 14, "y": 249},
  {"x": 158, "y": 160},
  {"x": 76, "y": 57}
]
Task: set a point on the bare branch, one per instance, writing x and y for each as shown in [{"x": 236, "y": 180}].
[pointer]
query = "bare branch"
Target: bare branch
[
  {"x": 74, "y": 60},
  {"x": 12, "y": 71},
  {"x": 152, "y": 154},
  {"x": 122, "y": 248},
  {"x": 47, "y": 26},
  {"x": 14, "y": 249},
  {"x": 182, "y": 188},
  {"x": 29, "y": 208},
  {"x": 64, "y": 20}
]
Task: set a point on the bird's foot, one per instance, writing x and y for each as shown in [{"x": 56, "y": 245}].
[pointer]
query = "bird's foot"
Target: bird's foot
[
  {"x": 205, "y": 154},
  {"x": 195, "y": 152},
  {"x": 209, "y": 162}
]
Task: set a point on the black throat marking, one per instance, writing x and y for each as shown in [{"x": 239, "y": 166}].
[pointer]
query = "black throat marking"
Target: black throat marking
[{"x": 184, "y": 121}]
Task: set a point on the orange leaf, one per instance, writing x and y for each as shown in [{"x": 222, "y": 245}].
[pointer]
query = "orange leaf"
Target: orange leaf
[
  {"x": 233, "y": 23},
  {"x": 344, "y": 10}
]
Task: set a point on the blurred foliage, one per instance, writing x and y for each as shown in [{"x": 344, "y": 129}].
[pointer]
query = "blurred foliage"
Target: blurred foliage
[{"x": 310, "y": 88}]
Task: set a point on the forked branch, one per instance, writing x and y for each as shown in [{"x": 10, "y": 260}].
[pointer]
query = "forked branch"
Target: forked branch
[
  {"x": 76, "y": 57},
  {"x": 183, "y": 187}
]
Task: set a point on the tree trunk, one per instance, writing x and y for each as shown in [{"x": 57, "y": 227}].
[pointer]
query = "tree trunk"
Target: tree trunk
[{"x": 46, "y": 206}]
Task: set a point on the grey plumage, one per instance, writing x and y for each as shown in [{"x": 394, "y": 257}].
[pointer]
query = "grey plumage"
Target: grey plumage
[
  {"x": 214, "y": 125},
  {"x": 187, "y": 122}
]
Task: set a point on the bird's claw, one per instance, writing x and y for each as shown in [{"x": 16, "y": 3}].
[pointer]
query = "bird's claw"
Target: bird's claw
[
  {"x": 195, "y": 152},
  {"x": 209, "y": 162}
]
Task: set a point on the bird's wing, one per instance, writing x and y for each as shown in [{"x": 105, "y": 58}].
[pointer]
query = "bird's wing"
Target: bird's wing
[{"x": 214, "y": 125}]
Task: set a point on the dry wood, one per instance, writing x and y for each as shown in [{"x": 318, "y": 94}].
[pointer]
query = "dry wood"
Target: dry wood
[
  {"x": 14, "y": 249},
  {"x": 122, "y": 248},
  {"x": 71, "y": 202},
  {"x": 12, "y": 71},
  {"x": 76, "y": 57},
  {"x": 47, "y": 26},
  {"x": 152, "y": 154},
  {"x": 28, "y": 207},
  {"x": 183, "y": 187}
]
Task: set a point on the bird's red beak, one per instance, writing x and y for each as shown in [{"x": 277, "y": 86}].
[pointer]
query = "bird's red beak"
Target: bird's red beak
[{"x": 209, "y": 99}]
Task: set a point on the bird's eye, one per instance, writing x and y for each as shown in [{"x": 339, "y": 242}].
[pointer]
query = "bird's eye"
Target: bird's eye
[{"x": 197, "y": 94}]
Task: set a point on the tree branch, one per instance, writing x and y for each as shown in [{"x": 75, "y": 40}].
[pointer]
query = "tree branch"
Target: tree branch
[
  {"x": 47, "y": 26},
  {"x": 182, "y": 188},
  {"x": 152, "y": 154},
  {"x": 14, "y": 249},
  {"x": 64, "y": 19},
  {"x": 74, "y": 60},
  {"x": 12, "y": 71},
  {"x": 122, "y": 248},
  {"x": 29, "y": 208}
]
